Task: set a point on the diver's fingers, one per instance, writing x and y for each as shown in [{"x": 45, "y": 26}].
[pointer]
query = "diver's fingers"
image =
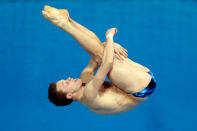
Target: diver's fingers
[
  {"x": 124, "y": 49},
  {"x": 119, "y": 56},
  {"x": 117, "y": 52},
  {"x": 124, "y": 53}
]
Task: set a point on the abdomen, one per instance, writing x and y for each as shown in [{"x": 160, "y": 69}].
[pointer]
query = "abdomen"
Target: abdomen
[{"x": 113, "y": 101}]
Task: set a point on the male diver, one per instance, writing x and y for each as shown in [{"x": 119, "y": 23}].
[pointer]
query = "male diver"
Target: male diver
[{"x": 130, "y": 83}]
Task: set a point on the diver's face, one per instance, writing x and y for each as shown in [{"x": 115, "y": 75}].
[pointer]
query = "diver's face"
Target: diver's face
[{"x": 69, "y": 85}]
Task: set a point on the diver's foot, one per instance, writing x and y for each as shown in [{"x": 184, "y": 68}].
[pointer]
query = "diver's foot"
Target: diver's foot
[{"x": 59, "y": 17}]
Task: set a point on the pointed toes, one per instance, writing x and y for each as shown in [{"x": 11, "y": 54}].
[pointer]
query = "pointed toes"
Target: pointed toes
[
  {"x": 45, "y": 14},
  {"x": 47, "y": 8}
]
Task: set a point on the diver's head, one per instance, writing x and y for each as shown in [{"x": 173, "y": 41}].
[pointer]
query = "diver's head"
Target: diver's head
[{"x": 64, "y": 92}]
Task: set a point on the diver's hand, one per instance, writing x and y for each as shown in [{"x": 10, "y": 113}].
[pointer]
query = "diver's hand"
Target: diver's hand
[{"x": 119, "y": 52}]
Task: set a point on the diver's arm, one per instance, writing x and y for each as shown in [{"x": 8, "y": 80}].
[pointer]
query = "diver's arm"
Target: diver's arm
[
  {"x": 88, "y": 72},
  {"x": 107, "y": 63}
]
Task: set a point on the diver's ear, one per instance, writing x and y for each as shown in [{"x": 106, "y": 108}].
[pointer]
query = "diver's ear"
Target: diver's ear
[{"x": 69, "y": 95}]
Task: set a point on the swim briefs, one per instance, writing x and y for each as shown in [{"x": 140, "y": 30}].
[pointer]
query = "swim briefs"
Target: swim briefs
[{"x": 149, "y": 89}]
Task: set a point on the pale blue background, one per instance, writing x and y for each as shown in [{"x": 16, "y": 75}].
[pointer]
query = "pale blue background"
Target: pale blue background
[{"x": 158, "y": 34}]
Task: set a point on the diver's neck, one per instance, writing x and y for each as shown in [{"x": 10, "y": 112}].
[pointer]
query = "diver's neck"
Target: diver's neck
[{"x": 79, "y": 96}]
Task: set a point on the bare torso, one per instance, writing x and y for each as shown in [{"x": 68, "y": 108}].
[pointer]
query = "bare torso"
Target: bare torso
[
  {"x": 115, "y": 97},
  {"x": 111, "y": 100}
]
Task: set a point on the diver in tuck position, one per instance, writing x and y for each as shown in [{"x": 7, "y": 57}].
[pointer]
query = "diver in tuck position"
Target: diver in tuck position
[{"x": 131, "y": 83}]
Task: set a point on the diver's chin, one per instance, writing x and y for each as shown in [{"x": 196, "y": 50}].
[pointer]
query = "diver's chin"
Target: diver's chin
[{"x": 79, "y": 83}]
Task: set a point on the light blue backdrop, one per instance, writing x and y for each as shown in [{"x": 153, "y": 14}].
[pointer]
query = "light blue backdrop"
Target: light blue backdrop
[{"x": 33, "y": 52}]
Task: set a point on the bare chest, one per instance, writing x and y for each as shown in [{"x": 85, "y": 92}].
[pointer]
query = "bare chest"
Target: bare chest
[{"x": 111, "y": 100}]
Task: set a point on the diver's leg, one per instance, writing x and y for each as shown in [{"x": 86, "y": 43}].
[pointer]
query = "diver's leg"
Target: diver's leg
[
  {"x": 61, "y": 19},
  {"x": 85, "y": 30},
  {"x": 119, "y": 74}
]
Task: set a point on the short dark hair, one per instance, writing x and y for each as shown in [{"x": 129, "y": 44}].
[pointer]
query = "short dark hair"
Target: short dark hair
[{"x": 57, "y": 98}]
